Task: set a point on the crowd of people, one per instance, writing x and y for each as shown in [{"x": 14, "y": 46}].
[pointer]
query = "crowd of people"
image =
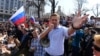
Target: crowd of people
[{"x": 68, "y": 36}]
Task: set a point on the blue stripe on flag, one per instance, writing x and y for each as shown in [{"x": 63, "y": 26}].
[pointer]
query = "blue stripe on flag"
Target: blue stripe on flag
[{"x": 19, "y": 16}]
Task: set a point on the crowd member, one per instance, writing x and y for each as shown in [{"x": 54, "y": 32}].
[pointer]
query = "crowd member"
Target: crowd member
[
  {"x": 66, "y": 47},
  {"x": 91, "y": 21},
  {"x": 89, "y": 42},
  {"x": 11, "y": 44},
  {"x": 69, "y": 21},
  {"x": 4, "y": 50},
  {"x": 57, "y": 40},
  {"x": 23, "y": 48},
  {"x": 45, "y": 23},
  {"x": 36, "y": 48},
  {"x": 96, "y": 45},
  {"x": 64, "y": 21},
  {"x": 5, "y": 45},
  {"x": 76, "y": 42},
  {"x": 57, "y": 33},
  {"x": 18, "y": 32}
]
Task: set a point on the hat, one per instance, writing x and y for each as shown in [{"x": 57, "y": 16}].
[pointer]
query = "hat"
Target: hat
[{"x": 97, "y": 39}]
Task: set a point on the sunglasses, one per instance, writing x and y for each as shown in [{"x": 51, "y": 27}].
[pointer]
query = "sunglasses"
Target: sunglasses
[{"x": 96, "y": 47}]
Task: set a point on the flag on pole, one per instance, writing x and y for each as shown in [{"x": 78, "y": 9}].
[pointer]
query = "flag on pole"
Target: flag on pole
[
  {"x": 32, "y": 20},
  {"x": 19, "y": 17}
]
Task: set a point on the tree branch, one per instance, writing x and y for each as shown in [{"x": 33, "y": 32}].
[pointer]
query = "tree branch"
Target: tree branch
[
  {"x": 34, "y": 3},
  {"x": 94, "y": 12}
]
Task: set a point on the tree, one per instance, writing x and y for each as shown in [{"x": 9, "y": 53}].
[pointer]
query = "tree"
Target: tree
[
  {"x": 39, "y": 4},
  {"x": 53, "y": 4},
  {"x": 80, "y": 6},
  {"x": 96, "y": 10}
]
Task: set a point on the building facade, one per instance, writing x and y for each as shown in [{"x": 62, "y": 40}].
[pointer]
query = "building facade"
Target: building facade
[
  {"x": 60, "y": 12},
  {"x": 33, "y": 10},
  {"x": 8, "y": 8}
]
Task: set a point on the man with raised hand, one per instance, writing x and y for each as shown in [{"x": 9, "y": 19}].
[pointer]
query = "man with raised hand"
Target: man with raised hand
[{"x": 57, "y": 33}]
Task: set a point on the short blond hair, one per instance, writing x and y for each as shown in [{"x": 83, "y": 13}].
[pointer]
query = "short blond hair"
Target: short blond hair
[
  {"x": 55, "y": 14},
  {"x": 97, "y": 39}
]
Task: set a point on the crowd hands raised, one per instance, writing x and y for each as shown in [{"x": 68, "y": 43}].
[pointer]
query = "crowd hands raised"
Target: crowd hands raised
[{"x": 24, "y": 40}]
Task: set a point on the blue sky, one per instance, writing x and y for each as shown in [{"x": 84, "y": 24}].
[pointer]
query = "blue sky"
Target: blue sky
[{"x": 68, "y": 6}]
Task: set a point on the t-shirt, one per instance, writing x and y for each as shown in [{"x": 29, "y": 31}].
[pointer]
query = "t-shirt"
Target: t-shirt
[{"x": 57, "y": 37}]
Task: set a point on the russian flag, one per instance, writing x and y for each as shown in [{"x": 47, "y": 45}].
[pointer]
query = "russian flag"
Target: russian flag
[
  {"x": 32, "y": 20},
  {"x": 19, "y": 17}
]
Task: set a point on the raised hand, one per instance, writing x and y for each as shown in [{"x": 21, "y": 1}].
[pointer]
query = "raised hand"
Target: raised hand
[
  {"x": 51, "y": 26},
  {"x": 78, "y": 21}
]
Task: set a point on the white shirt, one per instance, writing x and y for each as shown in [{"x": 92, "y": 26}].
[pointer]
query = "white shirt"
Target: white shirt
[
  {"x": 57, "y": 37},
  {"x": 91, "y": 21}
]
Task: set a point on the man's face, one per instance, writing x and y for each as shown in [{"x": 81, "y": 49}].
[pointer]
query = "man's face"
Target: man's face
[{"x": 54, "y": 20}]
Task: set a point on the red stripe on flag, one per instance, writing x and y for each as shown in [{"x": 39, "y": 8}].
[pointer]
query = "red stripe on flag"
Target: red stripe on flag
[{"x": 20, "y": 21}]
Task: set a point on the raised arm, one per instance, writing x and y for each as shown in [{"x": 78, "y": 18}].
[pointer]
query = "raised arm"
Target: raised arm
[
  {"x": 46, "y": 31},
  {"x": 77, "y": 23}
]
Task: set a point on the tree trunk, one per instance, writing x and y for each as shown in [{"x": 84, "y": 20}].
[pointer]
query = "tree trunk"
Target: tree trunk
[
  {"x": 53, "y": 6},
  {"x": 38, "y": 9},
  {"x": 38, "y": 12}
]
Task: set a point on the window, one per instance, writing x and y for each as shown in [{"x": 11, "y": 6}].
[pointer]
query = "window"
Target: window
[
  {"x": 1, "y": 7},
  {"x": 10, "y": 12},
  {"x": 11, "y": 5},
  {"x": 1, "y": 10},
  {"x": 7, "y": 5},
  {"x": 6, "y": 11},
  {"x": 15, "y": 5},
  {"x": 20, "y": 3},
  {"x": 1, "y": 3}
]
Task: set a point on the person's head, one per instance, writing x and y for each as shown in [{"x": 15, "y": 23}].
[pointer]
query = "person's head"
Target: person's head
[
  {"x": 92, "y": 17},
  {"x": 4, "y": 32},
  {"x": 96, "y": 45},
  {"x": 54, "y": 19},
  {"x": 46, "y": 22},
  {"x": 35, "y": 33}
]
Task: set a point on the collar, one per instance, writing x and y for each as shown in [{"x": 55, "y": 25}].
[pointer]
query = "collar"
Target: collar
[{"x": 58, "y": 26}]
